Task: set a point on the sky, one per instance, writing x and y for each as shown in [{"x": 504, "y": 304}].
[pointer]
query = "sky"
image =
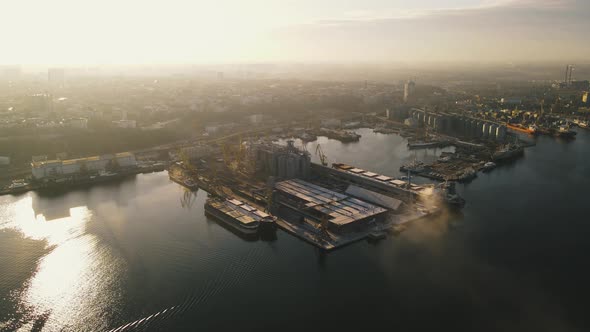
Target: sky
[{"x": 78, "y": 32}]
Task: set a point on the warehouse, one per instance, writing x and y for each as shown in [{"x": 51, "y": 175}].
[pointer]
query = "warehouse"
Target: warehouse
[
  {"x": 49, "y": 169},
  {"x": 342, "y": 212}
]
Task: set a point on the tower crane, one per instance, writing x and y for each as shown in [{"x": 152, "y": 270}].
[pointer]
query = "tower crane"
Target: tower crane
[{"x": 320, "y": 153}]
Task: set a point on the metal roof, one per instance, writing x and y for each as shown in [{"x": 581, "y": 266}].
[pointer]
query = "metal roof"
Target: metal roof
[{"x": 339, "y": 208}]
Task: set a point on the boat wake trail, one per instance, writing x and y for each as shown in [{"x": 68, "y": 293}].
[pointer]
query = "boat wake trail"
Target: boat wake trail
[{"x": 232, "y": 274}]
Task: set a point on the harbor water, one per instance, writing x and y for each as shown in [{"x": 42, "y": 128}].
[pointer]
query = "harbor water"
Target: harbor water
[{"x": 141, "y": 250}]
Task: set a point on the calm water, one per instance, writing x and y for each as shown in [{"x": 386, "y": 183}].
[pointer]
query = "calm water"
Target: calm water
[{"x": 95, "y": 259}]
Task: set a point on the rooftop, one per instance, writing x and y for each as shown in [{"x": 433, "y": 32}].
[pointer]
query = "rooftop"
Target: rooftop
[{"x": 339, "y": 208}]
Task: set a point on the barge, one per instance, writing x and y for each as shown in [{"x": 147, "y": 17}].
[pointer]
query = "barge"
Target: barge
[{"x": 237, "y": 214}]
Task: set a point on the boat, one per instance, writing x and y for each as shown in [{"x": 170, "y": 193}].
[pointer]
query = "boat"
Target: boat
[
  {"x": 489, "y": 166},
  {"x": 424, "y": 145},
  {"x": 450, "y": 196},
  {"x": 581, "y": 123},
  {"x": 190, "y": 184},
  {"x": 237, "y": 214},
  {"x": 106, "y": 174},
  {"x": 308, "y": 137},
  {"x": 521, "y": 128},
  {"x": 508, "y": 151},
  {"x": 376, "y": 236},
  {"x": 415, "y": 166},
  {"x": 344, "y": 136},
  {"x": 384, "y": 130},
  {"x": 468, "y": 174},
  {"x": 16, "y": 184},
  {"x": 564, "y": 131}
]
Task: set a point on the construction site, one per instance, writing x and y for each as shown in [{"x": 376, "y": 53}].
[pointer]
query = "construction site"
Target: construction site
[{"x": 327, "y": 206}]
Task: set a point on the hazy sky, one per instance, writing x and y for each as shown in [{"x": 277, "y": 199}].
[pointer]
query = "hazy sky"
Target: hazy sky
[{"x": 62, "y": 32}]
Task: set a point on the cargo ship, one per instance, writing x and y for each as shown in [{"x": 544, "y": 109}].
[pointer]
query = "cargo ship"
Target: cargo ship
[
  {"x": 237, "y": 214},
  {"x": 426, "y": 144},
  {"x": 531, "y": 130},
  {"x": 343, "y": 136},
  {"x": 508, "y": 151}
]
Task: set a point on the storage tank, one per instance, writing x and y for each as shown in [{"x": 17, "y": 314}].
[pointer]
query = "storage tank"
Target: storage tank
[
  {"x": 485, "y": 130},
  {"x": 492, "y": 132},
  {"x": 501, "y": 133}
]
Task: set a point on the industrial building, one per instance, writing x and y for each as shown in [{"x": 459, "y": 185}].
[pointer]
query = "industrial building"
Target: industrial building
[
  {"x": 196, "y": 152},
  {"x": 285, "y": 162},
  {"x": 52, "y": 169},
  {"x": 459, "y": 125},
  {"x": 4, "y": 161},
  {"x": 341, "y": 212}
]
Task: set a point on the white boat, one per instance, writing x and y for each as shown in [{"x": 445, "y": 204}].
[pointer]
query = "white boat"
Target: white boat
[
  {"x": 489, "y": 166},
  {"x": 17, "y": 184},
  {"x": 106, "y": 174}
]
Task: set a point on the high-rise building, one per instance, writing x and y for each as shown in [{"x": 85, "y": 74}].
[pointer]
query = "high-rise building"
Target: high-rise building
[
  {"x": 585, "y": 98},
  {"x": 408, "y": 90},
  {"x": 40, "y": 104},
  {"x": 10, "y": 73},
  {"x": 56, "y": 76}
]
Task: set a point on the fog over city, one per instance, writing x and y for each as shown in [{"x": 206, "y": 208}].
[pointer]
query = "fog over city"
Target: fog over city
[
  {"x": 72, "y": 32},
  {"x": 294, "y": 165}
]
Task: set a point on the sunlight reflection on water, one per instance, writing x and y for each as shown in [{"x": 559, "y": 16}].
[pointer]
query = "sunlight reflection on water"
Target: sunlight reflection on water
[{"x": 74, "y": 274}]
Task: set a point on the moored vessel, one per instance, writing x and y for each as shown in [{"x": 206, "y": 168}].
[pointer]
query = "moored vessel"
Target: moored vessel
[
  {"x": 237, "y": 214},
  {"x": 564, "y": 131},
  {"x": 532, "y": 130},
  {"x": 508, "y": 151}
]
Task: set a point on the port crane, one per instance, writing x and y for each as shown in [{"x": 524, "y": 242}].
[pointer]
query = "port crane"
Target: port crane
[
  {"x": 186, "y": 161},
  {"x": 320, "y": 153}
]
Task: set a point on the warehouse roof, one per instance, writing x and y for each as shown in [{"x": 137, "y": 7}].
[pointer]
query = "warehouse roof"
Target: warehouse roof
[{"x": 339, "y": 208}]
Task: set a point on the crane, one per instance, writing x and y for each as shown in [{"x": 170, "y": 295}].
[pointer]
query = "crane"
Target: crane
[{"x": 320, "y": 153}]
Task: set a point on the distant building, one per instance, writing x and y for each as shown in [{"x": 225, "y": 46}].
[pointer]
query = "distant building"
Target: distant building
[
  {"x": 56, "y": 77},
  {"x": 10, "y": 73},
  {"x": 331, "y": 123},
  {"x": 53, "y": 169},
  {"x": 4, "y": 161},
  {"x": 255, "y": 118},
  {"x": 78, "y": 123},
  {"x": 39, "y": 103},
  {"x": 409, "y": 88},
  {"x": 196, "y": 152},
  {"x": 580, "y": 85},
  {"x": 211, "y": 129},
  {"x": 398, "y": 113},
  {"x": 511, "y": 101},
  {"x": 585, "y": 97},
  {"x": 125, "y": 124},
  {"x": 39, "y": 158}
]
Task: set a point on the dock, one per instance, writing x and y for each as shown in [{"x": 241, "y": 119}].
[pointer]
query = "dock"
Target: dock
[{"x": 328, "y": 241}]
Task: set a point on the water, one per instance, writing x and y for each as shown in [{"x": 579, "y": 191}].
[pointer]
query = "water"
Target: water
[{"x": 95, "y": 259}]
